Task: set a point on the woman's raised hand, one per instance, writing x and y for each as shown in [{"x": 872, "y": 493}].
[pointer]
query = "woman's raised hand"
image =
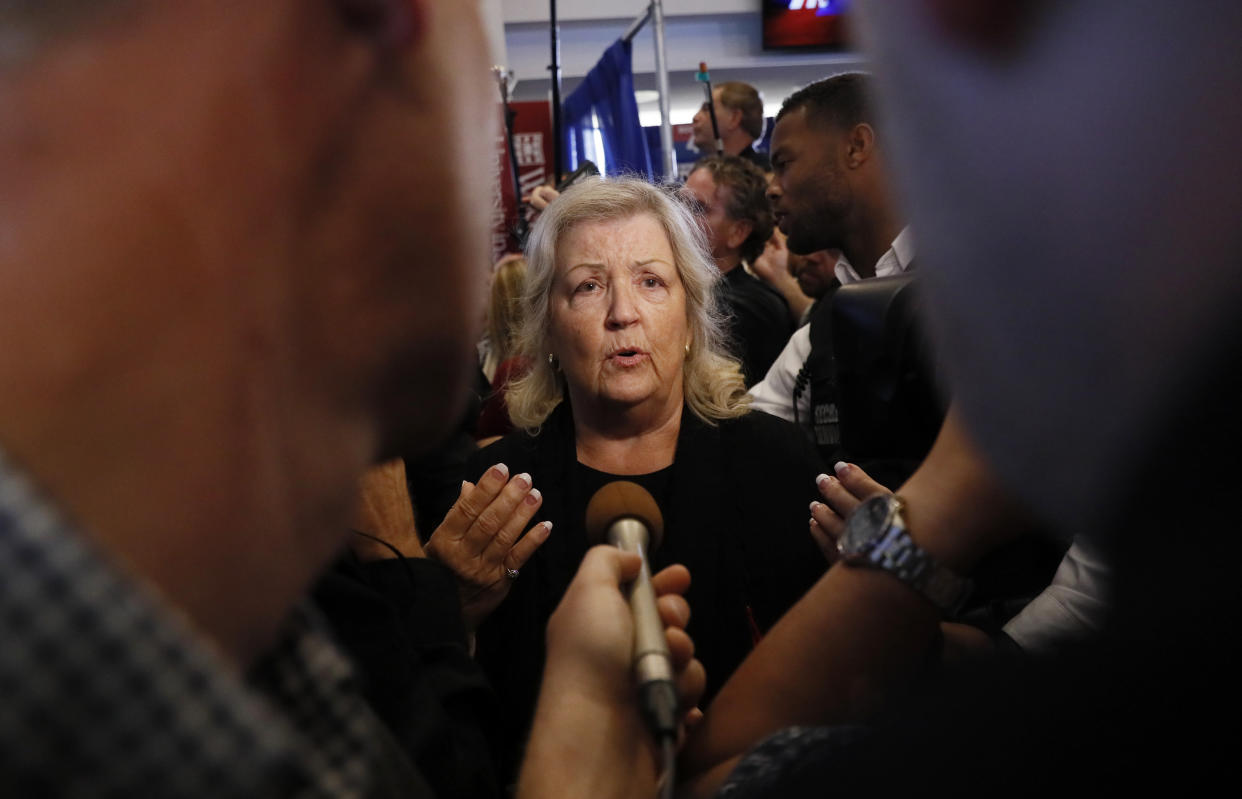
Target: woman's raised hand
[
  {"x": 481, "y": 538},
  {"x": 842, "y": 493}
]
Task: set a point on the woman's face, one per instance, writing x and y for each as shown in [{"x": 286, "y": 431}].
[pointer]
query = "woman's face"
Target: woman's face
[{"x": 618, "y": 316}]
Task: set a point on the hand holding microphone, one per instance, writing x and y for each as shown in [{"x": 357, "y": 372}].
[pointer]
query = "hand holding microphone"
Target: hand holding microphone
[
  {"x": 586, "y": 712},
  {"x": 626, "y": 516},
  {"x": 596, "y": 639}
]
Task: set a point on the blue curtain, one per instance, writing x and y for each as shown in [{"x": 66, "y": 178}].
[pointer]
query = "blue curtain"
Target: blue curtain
[{"x": 606, "y": 94}]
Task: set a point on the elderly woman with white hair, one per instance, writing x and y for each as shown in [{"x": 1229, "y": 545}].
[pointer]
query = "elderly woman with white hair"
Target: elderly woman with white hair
[{"x": 631, "y": 381}]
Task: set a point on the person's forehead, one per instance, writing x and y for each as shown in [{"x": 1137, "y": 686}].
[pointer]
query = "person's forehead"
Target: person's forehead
[
  {"x": 625, "y": 236},
  {"x": 798, "y": 132},
  {"x": 790, "y": 129},
  {"x": 714, "y": 194},
  {"x": 701, "y": 184}
]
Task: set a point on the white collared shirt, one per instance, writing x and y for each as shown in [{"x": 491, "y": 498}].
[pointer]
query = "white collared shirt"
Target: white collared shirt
[{"x": 894, "y": 261}]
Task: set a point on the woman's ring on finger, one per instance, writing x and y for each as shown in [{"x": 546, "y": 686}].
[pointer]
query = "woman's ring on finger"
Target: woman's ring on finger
[{"x": 512, "y": 574}]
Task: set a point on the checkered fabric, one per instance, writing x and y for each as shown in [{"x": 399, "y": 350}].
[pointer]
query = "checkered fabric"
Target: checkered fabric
[
  {"x": 766, "y": 769},
  {"x": 105, "y": 692}
]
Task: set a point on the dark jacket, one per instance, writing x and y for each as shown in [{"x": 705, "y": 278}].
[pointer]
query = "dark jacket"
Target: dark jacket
[{"x": 759, "y": 322}]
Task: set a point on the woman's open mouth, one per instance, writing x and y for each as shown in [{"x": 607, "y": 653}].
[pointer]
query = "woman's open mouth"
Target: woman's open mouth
[{"x": 630, "y": 356}]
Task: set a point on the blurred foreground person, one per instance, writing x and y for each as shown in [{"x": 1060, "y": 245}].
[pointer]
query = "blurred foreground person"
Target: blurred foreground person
[
  {"x": 1096, "y": 385},
  {"x": 222, "y": 295}
]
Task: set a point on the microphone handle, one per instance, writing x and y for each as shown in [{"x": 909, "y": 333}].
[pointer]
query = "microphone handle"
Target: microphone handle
[{"x": 653, "y": 667}]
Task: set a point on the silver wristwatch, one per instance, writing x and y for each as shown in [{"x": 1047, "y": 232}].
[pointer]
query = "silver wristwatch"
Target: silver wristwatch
[{"x": 876, "y": 537}]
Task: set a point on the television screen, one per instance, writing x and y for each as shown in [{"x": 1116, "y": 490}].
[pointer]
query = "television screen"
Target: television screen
[{"x": 805, "y": 24}]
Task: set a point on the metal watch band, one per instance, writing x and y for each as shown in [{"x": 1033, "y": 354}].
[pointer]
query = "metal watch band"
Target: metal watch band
[{"x": 891, "y": 549}]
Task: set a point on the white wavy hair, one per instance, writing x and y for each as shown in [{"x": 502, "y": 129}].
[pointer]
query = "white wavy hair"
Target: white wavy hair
[{"x": 713, "y": 384}]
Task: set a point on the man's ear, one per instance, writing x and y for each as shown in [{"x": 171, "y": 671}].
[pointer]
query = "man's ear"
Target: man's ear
[
  {"x": 732, "y": 119},
  {"x": 860, "y": 144},
  {"x": 390, "y": 24},
  {"x": 739, "y": 231}
]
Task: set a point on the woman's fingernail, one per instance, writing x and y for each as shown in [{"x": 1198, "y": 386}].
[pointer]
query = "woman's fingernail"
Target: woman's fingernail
[
  {"x": 816, "y": 506},
  {"x": 841, "y": 467},
  {"x": 547, "y": 527},
  {"x": 523, "y": 480},
  {"x": 823, "y": 478},
  {"x": 501, "y": 471},
  {"x": 534, "y": 497}
]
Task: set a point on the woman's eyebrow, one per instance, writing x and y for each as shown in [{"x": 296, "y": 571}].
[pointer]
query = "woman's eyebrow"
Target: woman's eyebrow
[{"x": 595, "y": 266}]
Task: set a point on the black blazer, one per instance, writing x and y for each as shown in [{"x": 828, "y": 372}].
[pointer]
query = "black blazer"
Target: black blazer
[
  {"x": 736, "y": 517},
  {"x": 759, "y": 322}
]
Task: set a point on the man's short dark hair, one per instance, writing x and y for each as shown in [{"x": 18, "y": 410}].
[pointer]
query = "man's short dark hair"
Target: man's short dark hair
[
  {"x": 743, "y": 97},
  {"x": 842, "y": 101},
  {"x": 748, "y": 198}
]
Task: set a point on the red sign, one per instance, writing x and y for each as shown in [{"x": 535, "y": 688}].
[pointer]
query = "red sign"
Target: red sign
[
  {"x": 502, "y": 197},
  {"x": 532, "y": 144}
]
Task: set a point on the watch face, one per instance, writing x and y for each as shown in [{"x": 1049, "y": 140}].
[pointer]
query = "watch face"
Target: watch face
[{"x": 868, "y": 519}]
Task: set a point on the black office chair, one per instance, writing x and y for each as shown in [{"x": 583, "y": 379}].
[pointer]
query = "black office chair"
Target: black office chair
[{"x": 891, "y": 407}]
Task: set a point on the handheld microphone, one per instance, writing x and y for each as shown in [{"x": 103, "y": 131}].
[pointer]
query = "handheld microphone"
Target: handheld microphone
[
  {"x": 625, "y": 515},
  {"x": 705, "y": 77}
]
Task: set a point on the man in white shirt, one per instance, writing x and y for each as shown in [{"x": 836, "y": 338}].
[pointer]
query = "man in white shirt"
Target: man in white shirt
[{"x": 830, "y": 191}]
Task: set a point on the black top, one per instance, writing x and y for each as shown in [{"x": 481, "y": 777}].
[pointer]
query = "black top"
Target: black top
[
  {"x": 587, "y": 481},
  {"x": 760, "y": 323},
  {"x": 735, "y": 505}
]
